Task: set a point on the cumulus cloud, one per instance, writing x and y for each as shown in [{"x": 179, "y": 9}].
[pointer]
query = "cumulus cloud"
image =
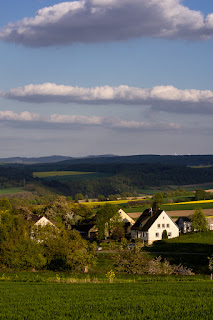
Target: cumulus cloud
[
  {"x": 23, "y": 116},
  {"x": 90, "y": 21},
  {"x": 67, "y": 121},
  {"x": 159, "y": 98}
]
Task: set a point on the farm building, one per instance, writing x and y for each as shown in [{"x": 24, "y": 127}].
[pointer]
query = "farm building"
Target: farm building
[
  {"x": 184, "y": 224},
  {"x": 89, "y": 230},
  {"x": 210, "y": 223},
  {"x": 151, "y": 224},
  {"x": 129, "y": 222}
]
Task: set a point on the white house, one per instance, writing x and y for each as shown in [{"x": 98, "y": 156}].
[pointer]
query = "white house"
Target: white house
[
  {"x": 151, "y": 224},
  {"x": 184, "y": 224},
  {"x": 129, "y": 222},
  {"x": 43, "y": 222},
  {"x": 210, "y": 223}
]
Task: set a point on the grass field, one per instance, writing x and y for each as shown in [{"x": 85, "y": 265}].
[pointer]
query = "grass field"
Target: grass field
[
  {"x": 100, "y": 301},
  {"x": 191, "y": 250},
  {"x": 66, "y": 176},
  {"x": 205, "y": 204},
  {"x": 58, "y": 173},
  {"x": 199, "y": 242},
  {"x": 11, "y": 190}
]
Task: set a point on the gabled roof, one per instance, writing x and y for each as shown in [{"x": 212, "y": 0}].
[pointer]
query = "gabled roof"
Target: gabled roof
[
  {"x": 125, "y": 217},
  {"x": 86, "y": 225},
  {"x": 43, "y": 221},
  {"x": 146, "y": 219},
  {"x": 184, "y": 219}
]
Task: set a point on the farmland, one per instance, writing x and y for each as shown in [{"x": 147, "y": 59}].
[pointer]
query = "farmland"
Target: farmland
[
  {"x": 140, "y": 300},
  {"x": 66, "y": 176},
  {"x": 11, "y": 190},
  {"x": 191, "y": 250},
  {"x": 58, "y": 173},
  {"x": 191, "y": 205}
]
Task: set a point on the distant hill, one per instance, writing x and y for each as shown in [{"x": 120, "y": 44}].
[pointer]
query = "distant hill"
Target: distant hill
[
  {"x": 184, "y": 160},
  {"x": 26, "y": 160},
  {"x": 180, "y": 160}
]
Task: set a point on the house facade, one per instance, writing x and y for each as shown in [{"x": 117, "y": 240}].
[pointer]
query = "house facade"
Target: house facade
[
  {"x": 210, "y": 223},
  {"x": 129, "y": 222},
  {"x": 184, "y": 224},
  {"x": 151, "y": 224}
]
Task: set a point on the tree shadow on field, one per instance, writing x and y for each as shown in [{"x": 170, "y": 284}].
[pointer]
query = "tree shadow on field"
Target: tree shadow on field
[{"x": 191, "y": 255}]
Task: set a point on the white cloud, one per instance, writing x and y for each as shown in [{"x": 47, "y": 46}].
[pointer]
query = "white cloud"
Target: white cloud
[
  {"x": 23, "y": 116},
  {"x": 90, "y": 21},
  {"x": 67, "y": 121},
  {"x": 159, "y": 98}
]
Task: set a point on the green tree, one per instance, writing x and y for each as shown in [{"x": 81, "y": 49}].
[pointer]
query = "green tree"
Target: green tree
[
  {"x": 27, "y": 254},
  {"x": 200, "y": 194},
  {"x": 105, "y": 221},
  {"x": 157, "y": 200},
  {"x": 13, "y": 230},
  {"x": 118, "y": 232},
  {"x": 5, "y": 206},
  {"x": 113, "y": 197},
  {"x": 199, "y": 222},
  {"x": 101, "y": 197},
  {"x": 79, "y": 196},
  {"x": 68, "y": 251},
  {"x": 164, "y": 235}
]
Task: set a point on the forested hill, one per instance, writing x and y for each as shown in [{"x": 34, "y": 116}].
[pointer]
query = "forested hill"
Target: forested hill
[
  {"x": 132, "y": 178},
  {"x": 63, "y": 161},
  {"x": 185, "y": 160},
  {"x": 112, "y": 175}
]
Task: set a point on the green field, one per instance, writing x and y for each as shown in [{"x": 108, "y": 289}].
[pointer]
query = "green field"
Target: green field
[
  {"x": 142, "y": 300},
  {"x": 192, "y": 250},
  {"x": 199, "y": 242},
  {"x": 58, "y": 173},
  {"x": 174, "y": 207},
  {"x": 66, "y": 176},
  {"x": 11, "y": 190}
]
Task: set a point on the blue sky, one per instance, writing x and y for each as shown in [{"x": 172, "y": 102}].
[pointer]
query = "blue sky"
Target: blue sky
[{"x": 107, "y": 77}]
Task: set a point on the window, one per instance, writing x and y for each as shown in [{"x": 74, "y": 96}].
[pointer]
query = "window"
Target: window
[
  {"x": 167, "y": 225},
  {"x": 169, "y": 234},
  {"x": 157, "y": 235},
  {"x": 163, "y": 225},
  {"x": 158, "y": 225}
]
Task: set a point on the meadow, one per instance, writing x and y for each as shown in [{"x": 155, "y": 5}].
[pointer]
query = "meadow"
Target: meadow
[
  {"x": 191, "y": 250},
  {"x": 58, "y": 173},
  {"x": 11, "y": 190},
  {"x": 190, "y": 205},
  {"x": 143, "y": 299},
  {"x": 67, "y": 176}
]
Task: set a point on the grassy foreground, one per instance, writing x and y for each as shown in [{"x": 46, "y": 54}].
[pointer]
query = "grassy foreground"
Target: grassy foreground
[{"x": 142, "y": 300}]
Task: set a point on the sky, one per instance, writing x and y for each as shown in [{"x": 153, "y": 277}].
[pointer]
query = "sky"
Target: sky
[{"x": 106, "y": 77}]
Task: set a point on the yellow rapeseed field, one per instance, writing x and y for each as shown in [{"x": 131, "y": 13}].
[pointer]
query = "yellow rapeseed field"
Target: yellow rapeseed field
[{"x": 190, "y": 202}]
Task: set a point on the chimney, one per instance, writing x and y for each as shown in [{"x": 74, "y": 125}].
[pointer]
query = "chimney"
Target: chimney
[{"x": 151, "y": 211}]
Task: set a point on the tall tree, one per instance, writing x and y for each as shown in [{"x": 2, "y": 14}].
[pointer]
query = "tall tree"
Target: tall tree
[
  {"x": 107, "y": 216},
  {"x": 199, "y": 222},
  {"x": 157, "y": 200}
]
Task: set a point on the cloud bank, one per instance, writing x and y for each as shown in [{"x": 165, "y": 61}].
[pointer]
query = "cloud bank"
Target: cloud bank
[
  {"x": 159, "y": 98},
  {"x": 67, "y": 121},
  {"x": 90, "y": 21}
]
